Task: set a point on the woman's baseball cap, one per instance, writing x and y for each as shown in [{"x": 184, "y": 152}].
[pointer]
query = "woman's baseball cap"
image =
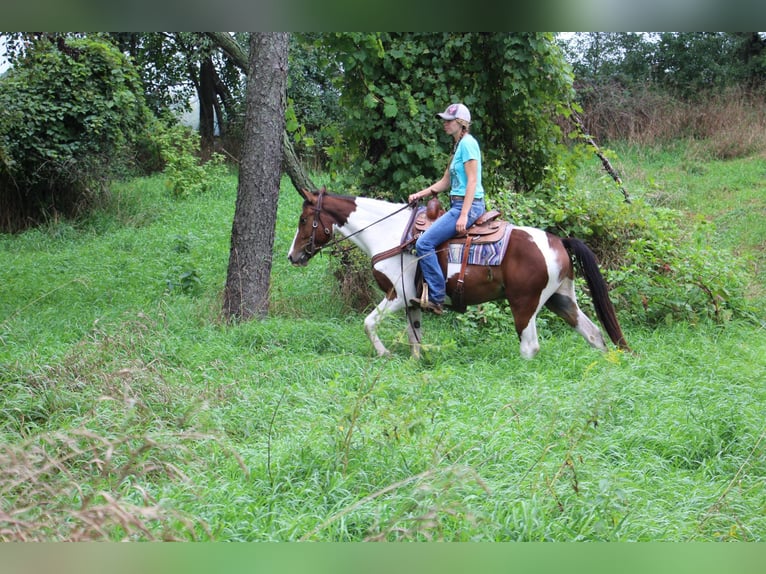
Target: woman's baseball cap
[{"x": 455, "y": 112}]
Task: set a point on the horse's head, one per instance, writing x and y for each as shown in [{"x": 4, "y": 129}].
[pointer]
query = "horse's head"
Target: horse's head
[{"x": 314, "y": 228}]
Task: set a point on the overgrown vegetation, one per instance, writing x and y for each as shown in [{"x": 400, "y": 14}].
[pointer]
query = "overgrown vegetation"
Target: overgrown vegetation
[
  {"x": 393, "y": 84},
  {"x": 659, "y": 261},
  {"x": 67, "y": 111},
  {"x": 185, "y": 174},
  {"x": 722, "y": 125},
  {"x": 131, "y": 412}
]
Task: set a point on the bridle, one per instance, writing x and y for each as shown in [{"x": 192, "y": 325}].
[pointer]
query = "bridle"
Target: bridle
[{"x": 313, "y": 249}]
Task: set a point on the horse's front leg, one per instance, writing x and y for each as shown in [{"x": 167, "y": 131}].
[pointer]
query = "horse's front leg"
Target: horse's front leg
[
  {"x": 413, "y": 330},
  {"x": 372, "y": 321}
]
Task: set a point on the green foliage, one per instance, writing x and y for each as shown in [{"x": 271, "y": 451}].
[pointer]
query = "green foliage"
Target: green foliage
[
  {"x": 658, "y": 261},
  {"x": 393, "y": 84},
  {"x": 692, "y": 63},
  {"x": 183, "y": 276},
  {"x": 67, "y": 111},
  {"x": 314, "y": 112},
  {"x": 352, "y": 270},
  {"x": 685, "y": 64},
  {"x": 656, "y": 272},
  {"x": 186, "y": 174},
  {"x": 656, "y": 88},
  {"x": 131, "y": 413}
]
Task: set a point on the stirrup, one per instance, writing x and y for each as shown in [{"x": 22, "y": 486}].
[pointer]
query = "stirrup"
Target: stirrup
[{"x": 425, "y": 304}]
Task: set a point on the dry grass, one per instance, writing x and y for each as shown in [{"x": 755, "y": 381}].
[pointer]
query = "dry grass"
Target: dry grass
[
  {"x": 732, "y": 123},
  {"x": 79, "y": 486}
]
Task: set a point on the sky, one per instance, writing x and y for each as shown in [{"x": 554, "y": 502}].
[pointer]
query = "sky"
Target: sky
[{"x": 3, "y": 63}]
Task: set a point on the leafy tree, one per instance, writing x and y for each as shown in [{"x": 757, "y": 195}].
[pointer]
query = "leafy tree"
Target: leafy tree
[
  {"x": 232, "y": 47},
  {"x": 314, "y": 111},
  {"x": 685, "y": 64},
  {"x": 693, "y": 63},
  {"x": 68, "y": 106},
  {"x": 177, "y": 66},
  {"x": 515, "y": 85},
  {"x": 600, "y": 57}
]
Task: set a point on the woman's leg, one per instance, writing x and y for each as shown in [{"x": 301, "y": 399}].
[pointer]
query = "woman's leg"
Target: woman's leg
[
  {"x": 443, "y": 229},
  {"x": 440, "y": 231}
]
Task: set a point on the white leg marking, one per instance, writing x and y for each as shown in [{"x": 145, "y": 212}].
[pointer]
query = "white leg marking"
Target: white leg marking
[
  {"x": 414, "y": 315},
  {"x": 590, "y": 331},
  {"x": 529, "y": 343},
  {"x": 587, "y": 328},
  {"x": 372, "y": 321}
]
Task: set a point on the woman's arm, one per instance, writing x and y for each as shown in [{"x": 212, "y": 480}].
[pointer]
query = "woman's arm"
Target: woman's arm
[
  {"x": 471, "y": 167},
  {"x": 442, "y": 185}
]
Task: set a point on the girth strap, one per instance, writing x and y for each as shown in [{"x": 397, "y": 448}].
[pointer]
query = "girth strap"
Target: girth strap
[{"x": 460, "y": 287}]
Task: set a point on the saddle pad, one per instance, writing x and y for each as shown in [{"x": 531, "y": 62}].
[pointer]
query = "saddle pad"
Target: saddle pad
[{"x": 481, "y": 253}]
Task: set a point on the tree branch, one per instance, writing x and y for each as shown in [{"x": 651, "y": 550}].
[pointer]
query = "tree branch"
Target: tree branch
[
  {"x": 604, "y": 161},
  {"x": 291, "y": 164}
]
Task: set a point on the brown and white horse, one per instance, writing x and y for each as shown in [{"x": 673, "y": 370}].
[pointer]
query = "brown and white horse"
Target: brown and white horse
[{"x": 535, "y": 271}]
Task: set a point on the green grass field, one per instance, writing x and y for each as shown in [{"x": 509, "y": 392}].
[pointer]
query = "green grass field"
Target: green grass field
[{"x": 130, "y": 410}]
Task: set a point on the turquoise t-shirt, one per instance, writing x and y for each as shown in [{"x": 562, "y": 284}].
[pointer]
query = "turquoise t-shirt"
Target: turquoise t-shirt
[{"x": 467, "y": 149}]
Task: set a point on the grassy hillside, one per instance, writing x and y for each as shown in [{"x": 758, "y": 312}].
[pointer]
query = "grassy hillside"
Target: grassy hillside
[
  {"x": 129, "y": 410},
  {"x": 731, "y": 194}
]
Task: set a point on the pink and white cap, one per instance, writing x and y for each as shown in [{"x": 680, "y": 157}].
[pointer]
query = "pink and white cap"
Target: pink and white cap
[{"x": 456, "y": 112}]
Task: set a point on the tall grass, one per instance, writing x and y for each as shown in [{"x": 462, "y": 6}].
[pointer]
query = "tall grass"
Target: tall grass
[
  {"x": 130, "y": 411},
  {"x": 726, "y": 125},
  {"x": 729, "y": 194}
]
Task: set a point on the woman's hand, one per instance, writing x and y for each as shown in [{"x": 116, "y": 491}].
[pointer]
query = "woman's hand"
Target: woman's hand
[
  {"x": 460, "y": 225},
  {"x": 415, "y": 197}
]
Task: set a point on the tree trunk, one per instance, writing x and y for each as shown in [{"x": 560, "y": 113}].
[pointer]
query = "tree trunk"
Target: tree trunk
[
  {"x": 290, "y": 162},
  {"x": 252, "y": 236},
  {"x": 206, "y": 96}
]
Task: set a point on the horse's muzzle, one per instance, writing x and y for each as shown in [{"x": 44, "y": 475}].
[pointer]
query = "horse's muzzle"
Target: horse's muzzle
[{"x": 301, "y": 261}]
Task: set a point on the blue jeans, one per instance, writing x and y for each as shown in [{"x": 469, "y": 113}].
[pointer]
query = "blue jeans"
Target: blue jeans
[{"x": 440, "y": 231}]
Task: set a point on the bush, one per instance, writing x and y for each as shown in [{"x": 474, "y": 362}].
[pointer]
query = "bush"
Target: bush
[
  {"x": 186, "y": 174},
  {"x": 393, "y": 84},
  {"x": 731, "y": 123},
  {"x": 68, "y": 109},
  {"x": 657, "y": 270},
  {"x": 352, "y": 270}
]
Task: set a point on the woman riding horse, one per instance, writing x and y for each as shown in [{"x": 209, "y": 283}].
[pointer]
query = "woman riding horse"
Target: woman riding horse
[{"x": 463, "y": 180}]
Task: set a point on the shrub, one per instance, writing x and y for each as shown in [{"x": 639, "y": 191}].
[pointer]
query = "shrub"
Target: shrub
[
  {"x": 731, "y": 123},
  {"x": 393, "y": 84},
  {"x": 186, "y": 174},
  {"x": 67, "y": 111},
  {"x": 658, "y": 271},
  {"x": 352, "y": 270}
]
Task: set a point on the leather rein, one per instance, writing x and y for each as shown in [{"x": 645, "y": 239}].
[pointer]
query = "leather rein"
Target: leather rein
[{"x": 313, "y": 249}]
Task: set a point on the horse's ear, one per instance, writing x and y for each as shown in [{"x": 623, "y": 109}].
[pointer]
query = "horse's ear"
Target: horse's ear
[{"x": 305, "y": 194}]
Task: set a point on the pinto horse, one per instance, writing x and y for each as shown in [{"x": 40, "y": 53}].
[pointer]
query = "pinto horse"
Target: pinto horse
[{"x": 536, "y": 270}]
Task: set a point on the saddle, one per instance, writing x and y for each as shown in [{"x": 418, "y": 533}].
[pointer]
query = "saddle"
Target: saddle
[
  {"x": 487, "y": 229},
  {"x": 484, "y": 243}
]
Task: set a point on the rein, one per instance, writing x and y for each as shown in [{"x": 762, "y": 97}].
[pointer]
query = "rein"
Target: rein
[{"x": 317, "y": 213}]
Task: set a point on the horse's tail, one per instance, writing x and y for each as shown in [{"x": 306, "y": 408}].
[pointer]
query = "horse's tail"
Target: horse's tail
[{"x": 599, "y": 291}]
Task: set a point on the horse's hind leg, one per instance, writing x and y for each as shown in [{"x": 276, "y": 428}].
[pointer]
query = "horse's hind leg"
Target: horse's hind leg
[
  {"x": 564, "y": 303},
  {"x": 524, "y": 315}
]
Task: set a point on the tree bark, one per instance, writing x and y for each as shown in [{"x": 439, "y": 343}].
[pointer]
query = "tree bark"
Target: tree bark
[
  {"x": 290, "y": 162},
  {"x": 252, "y": 237},
  {"x": 206, "y": 96}
]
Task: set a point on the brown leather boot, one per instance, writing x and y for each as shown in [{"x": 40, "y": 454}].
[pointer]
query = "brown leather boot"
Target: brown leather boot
[{"x": 435, "y": 308}]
